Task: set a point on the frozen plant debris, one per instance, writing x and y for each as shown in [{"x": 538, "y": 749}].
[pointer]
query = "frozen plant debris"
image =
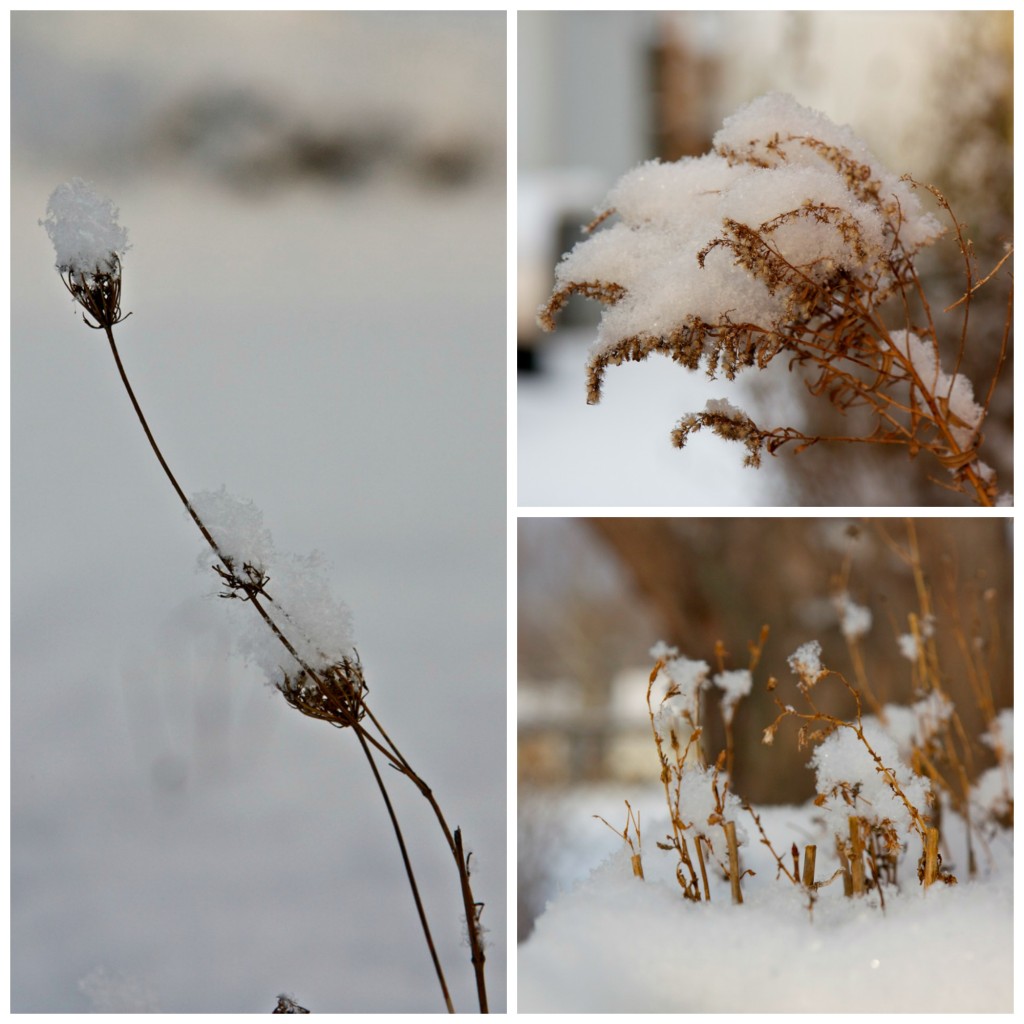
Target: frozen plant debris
[
  {"x": 285, "y": 1004},
  {"x": 84, "y": 230},
  {"x": 787, "y": 237}
]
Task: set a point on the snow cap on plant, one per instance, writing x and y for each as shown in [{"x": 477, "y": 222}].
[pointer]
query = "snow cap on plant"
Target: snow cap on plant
[
  {"x": 734, "y": 684},
  {"x": 850, "y": 782},
  {"x": 89, "y": 244},
  {"x": 303, "y": 607},
  {"x": 685, "y": 269},
  {"x": 805, "y": 662},
  {"x": 678, "y": 702},
  {"x": 854, "y": 619}
]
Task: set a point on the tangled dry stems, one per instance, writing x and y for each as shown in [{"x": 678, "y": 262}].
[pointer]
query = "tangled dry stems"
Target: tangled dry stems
[{"x": 869, "y": 847}]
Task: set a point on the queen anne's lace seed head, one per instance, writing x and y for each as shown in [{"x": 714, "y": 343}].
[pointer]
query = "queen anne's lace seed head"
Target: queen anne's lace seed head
[{"x": 89, "y": 244}]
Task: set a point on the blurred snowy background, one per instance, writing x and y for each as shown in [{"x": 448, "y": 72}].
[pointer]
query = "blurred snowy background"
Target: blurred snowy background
[
  {"x": 316, "y": 204},
  {"x": 600, "y": 92}
]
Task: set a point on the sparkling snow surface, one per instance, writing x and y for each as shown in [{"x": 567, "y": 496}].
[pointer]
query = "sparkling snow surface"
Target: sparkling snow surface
[{"x": 610, "y": 943}]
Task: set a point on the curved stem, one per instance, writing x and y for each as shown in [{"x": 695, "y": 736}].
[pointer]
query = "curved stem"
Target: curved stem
[{"x": 365, "y": 738}]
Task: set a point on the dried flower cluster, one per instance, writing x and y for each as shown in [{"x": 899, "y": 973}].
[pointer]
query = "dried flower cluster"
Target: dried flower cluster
[{"x": 787, "y": 238}]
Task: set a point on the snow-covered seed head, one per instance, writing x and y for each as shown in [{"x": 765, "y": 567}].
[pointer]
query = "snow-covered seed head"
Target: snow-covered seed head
[
  {"x": 336, "y": 695},
  {"x": 89, "y": 244}
]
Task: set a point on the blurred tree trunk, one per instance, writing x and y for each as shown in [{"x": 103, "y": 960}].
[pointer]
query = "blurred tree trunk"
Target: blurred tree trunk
[{"x": 663, "y": 566}]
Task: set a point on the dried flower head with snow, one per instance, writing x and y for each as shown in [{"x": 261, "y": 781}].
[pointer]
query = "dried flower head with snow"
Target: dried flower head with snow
[
  {"x": 89, "y": 244},
  {"x": 805, "y": 662},
  {"x": 786, "y": 237}
]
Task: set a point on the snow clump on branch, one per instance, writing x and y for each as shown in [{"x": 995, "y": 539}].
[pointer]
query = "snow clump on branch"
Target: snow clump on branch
[
  {"x": 683, "y": 264},
  {"x": 84, "y": 230}
]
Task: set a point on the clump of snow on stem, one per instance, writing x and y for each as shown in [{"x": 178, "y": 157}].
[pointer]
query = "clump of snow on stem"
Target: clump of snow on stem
[
  {"x": 237, "y": 527},
  {"x": 999, "y": 735},
  {"x": 84, "y": 230},
  {"x": 735, "y": 685},
  {"x": 914, "y": 725},
  {"x": 676, "y": 691},
  {"x": 805, "y": 662},
  {"x": 698, "y": 808},
  {"x": 851, "y": 783},
  {"x": 300, "y": 598},
  {"x": 956, "y": 391},
  {"x": 854, "y": 619},
  {"x": 723, "y": 407},
  {"x": 911, "y": 644},
  {"x": 771, "y": 158},
  {"x": 992, "y": 791}
]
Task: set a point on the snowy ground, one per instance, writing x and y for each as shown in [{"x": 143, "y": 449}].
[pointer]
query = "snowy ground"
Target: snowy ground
[
  {"x": 610, "y": 943},
  {"x": 334, "y": 350}
]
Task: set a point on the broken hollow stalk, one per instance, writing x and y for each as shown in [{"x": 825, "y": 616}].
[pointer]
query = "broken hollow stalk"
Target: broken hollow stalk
[
  {"x": 100, "y": 297},
  {"x": 856, "y": 857}
]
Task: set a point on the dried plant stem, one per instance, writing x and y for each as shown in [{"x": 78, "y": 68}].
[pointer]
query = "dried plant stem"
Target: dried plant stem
[
  {"x": 366, "y": 739},
  {"x": 734, "y": 861},
  {"x": 810, "y": 853},
  {"x": 844, "y": 861},
  {"x": 632, "y": 821},
  {"x": 931, "y": 857},
  {"x": 856, "y": 856},
  {"x": 703, "y": 869}
]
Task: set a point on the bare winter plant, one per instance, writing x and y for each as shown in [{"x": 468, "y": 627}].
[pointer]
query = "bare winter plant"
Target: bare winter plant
[
  {"x": 883, "y": 779},
  {"x": 789, "y": 239},
  {"x": 89, "y": 244}
]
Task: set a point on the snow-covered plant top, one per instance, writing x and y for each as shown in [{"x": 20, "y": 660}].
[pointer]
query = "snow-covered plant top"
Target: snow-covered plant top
[
  {"x": 849, "y": 782},
  {"x": 787, "y": 237},
  {"x": 805, "y": 662},
  {"x": 734, "y": 684},
  {"x": 84, "y": 230},
  {"x": 829, "y": 207},
  {"x": 89, "y": 244},
  {"x": 679, "y": 682}
]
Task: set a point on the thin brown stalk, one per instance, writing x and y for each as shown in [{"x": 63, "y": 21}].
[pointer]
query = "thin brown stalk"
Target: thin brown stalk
[{"x": 366, "y": 739}]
